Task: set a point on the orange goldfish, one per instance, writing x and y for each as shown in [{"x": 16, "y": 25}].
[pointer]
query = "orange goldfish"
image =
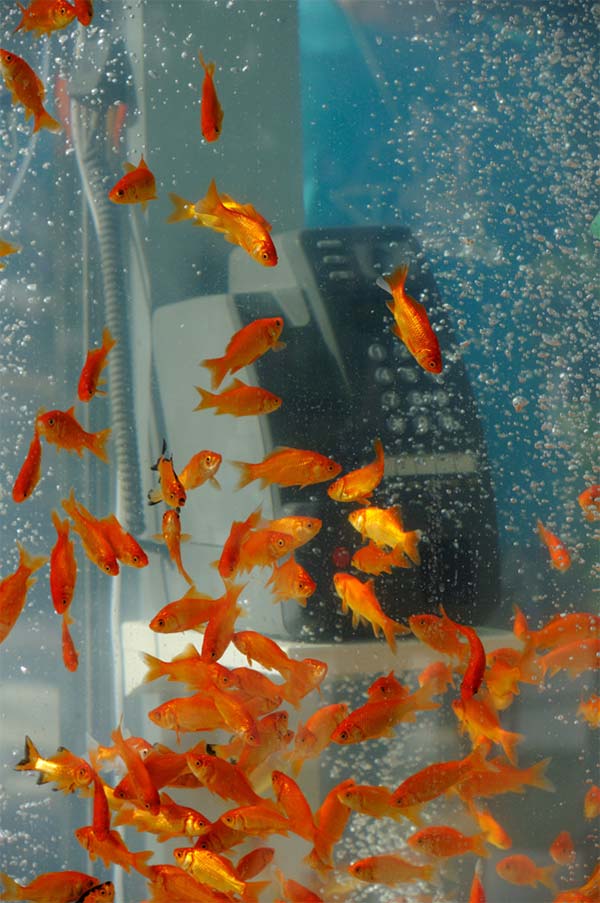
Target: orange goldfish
[
  {"x": 6, "y": 248},
  {"x": 476, "y": 664},
  {"x": 62, "y": 429},
  {"x": 390, "y": 869},
  {"x": 188, "y": 713},
  {"x": 288, "y": 467},
  {"x": 312, "y": 737},
  {"x": 14, "y": 588},
  {"x": 211, "y": 117},
  {"x": 257, "y": 647},
  {"x": 590, "y": 709},
  {"x": 361, "y": 600},
  {"x": 170, "y": 491},
  {"x": 26, "y": 88},
  {"x": 127, "y": 548},
  {"x": 171, "y": 821},
  {"x": 377, "y": 719},
  {"x": 45, "y": 16},
  {"x": 563, "y": 629},
  {"x": 477, "y": 893},
  {"x": 262, "y": 548},
  {"x": 562, "y": 849},
  {"x": 374, "y": 801},
  {"x": 63, "y": 567},
  {"x": 438, "y": 676},
  {"x": 210, "y": 868},
  {"x": 559, "y": 554},
  {"x": 589, "y": 501},
  {"x": 137, "y": 186},
  {"x": 254, "y": 862},
  {"x": 201, "y": 467},
  {"x": 358, "y": 485},
  {"x": 434, "y": 780},
  {"x": 169, "y": 883},
  {"x": 69, "y": 772},
  {"x": 189, "y": 612},
  {"x": 492, "y": 830},
  {"x": 442, "y": 841},
  {"x": 241, "y": 224},
  {"x": 30, "y": 472},
  {"x": 254, "y": 687},
  {"x": 173, "y": 537},
  {"x": 144, "y": 791},
  {"x": 70, "y": 654},
  {"x": 295, "y": 892},
  {"x": 257, "y": 821},
  {"x": 223, "y": 779},
  {"x": 227, "y": 564},
  {"x": 439, "y": 633},
  {"x": 189, "y": 668},
  {"x": 51, "y": 887},
  {"x": 331, "y": 819},
  {"x": 294, "y": 804},
  {"x": 520, "y": 869},
  {"x": 387, "y": 687},
  {"x": 591, "y": 802},
  {"x": 239, "y": 400},
  {"x": 411, "y": 325},
  {"x": 385, "y": 528},
  {"x": 477, "y": 716},
  {"x": 95, "y": 362},
  {"x": 95, "y": 543},
  {"x": 245, "y": 346},
  {"x": 374, "y": 560},
  {"x": 575, "y": 658},
  {"x": 110, "y": 848},
  {"x": 291, "y": 581},
  {"x": 236, "y": 716},
  {"x": 498, "y": 777},
  {"x": 84, "y": 10}
]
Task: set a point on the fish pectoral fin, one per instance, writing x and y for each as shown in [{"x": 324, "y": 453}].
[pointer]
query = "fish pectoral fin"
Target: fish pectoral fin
[{"x": 129, "y": 167}]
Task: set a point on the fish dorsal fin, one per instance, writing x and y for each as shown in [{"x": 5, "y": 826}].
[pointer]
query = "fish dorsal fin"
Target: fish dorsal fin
[
  {"x": 129, "y": 167},
  {"x": 395, "y": 510},
  {"x": 237, "y": 384},
  {"x": 190, "y": 651},
  {"x": 397, "y": 279},
  {"x": 246, "y": 210},
  {"x": 71, "y": 411},
  {"x": 166, "y": 800},
  {"x": 142, "y": 164},
  {"x": 382, "y": 283}
]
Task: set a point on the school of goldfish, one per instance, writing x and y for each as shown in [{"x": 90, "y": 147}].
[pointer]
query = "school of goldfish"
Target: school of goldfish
[{"x": 256, "y": 774}]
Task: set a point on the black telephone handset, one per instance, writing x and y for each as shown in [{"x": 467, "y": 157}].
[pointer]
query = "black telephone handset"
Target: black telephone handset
[{"x": 345, "y": 379}]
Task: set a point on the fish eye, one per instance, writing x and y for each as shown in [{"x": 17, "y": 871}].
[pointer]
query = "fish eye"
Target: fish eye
[
  {"x": 135, "y": 559},
  {"x": 120, "y": 192},
  {"x": 344, "y": 735},
  {"x": 107, "y": 568},
  {"x": 160, "y": 622},
  {"x": 50, "y": 421},
  {"x": 264, "y": 255},
  {"x": 8, "y": 58}
]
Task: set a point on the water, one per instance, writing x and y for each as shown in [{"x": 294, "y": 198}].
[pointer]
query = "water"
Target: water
[{"x": 456, "y": 137}]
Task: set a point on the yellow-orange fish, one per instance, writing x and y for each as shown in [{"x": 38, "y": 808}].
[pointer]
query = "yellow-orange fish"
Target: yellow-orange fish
[
  {"x": 288, "y": 467},
  {"x": 384, "y": 527},
  {"x": 171, "y": 490},
  {"x": 520, "y": 869},
  {"x": 6, "y": 248},
  {"x": 239, "y": 400},
  {"x": 63, "y": 430},
  {"x": 412, "y": 324},
  {"x": 358, "y": 485},
  {"x": 137, "y": 186},
  {"x": 173, "y": 537},
  {"x": 14, "y": 588},
  {"x": 67, "y": 771},
  {"x": 559, "y": 554},
  {"x": 95, "y": 362},
  {"x": 45, "y": 16},
  {"x": 26, "y": 88},
  {"x": 390, "y": 869},
  {"x": 360, "y": 598},
  {"x": 201, "y": 468},
  {"x": 51, "y": 887},
  {"x": 245, "y": 346}
]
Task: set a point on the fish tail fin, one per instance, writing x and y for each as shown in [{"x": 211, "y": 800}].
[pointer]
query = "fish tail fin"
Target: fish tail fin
[
  {"x": 29, "y": 760},
  {"x": 209, "y": 68},
  {"x": 247, "y": 473},
  {"x": 98, "y": 444},
  {"x": 155, "y": 669},
  {"x": 43, "y": 120},
  {"x": 61, "y": 526},
  {"x": 218, "y": 368},
  {"x": 12, "y": 890},
  {"x": 538, "y": 776},
  {"x": 182, "y": 209},
  {"x": 397, "y": 279},
  {"x": 108, "y": 341},
  {"x": 410, "y": 545},
  {"x": 207, "y": 399},
  {"x": 254, "y": 889},
  {"x": 139, "y": 862},
  {"x": 392, "y": 628},
  {"x": 154, "y": 497},
  {"x": 124, "y": 815},
  {"x": 31, "y": 562},
  {"x": 379, "y": 454},
  {"x": 546, "y": 877},
  {"x": 479, "y": 846},
  {"x": 210, "y": 202},
  {"x": 508, "y": 742},
  {"x": 520, "y": 626}
]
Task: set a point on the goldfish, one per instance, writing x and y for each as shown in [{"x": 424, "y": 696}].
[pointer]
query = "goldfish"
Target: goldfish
[
  {"x": 476, "y": 664},
  {"x": 254, "y": 862},
  {"x": 377, "y": 719},
  {"x": 314, "y": 736},
  {"x": 563, "y": 630},
  {"x": 434, "y": 780},
  {"x": 374, "y": 801},
  {"x": 306, "y": 675},
  {"x": 51, "y": 887},
  {"x": 291, "y": 581},
  {"x": 45, "y": 16},
  {"x": 14, "y": 588},
  {"x": 520, "y": 869},
  {"x": 374, "y": 560},
  {"x": 498, "y": 777},
  {"x": 240, "y": 223},
  {"x": 211, "y": 117},
  {"x": 358, "y": 485},
  {"x": 62, "y": 429},
  {"x": 110, "y": 848},
  {"x": 69, "y": 772},
  {"x": 187, "y": 613},
  {"x": 95, "y": 543},
  {"x": 236, "y": 716},
  {"x": 210, "y": 868},
  {"x": 590, "y": 709},
  {"x": 294, "y": 804},
  {"x": 361, "y": 600},
  {"x": 223, "y": 779},
  {"x": 385, "y": 528},
  {"x": 477, "y": 893},
  {"x": 239, "y": 400},
  {"x": 493, "y": 832},
  {"x": 443, "y": 842},
  {"x": 201, "y": 468},
  {"x": 257, "y": 821},
  {"x": 227, "y": 564},
  {"x": 245, "y": 346},
  {"x": 387, "y": 687},
  {"x": 219, "y": 629},
  {"x": 188, "y": 713},
  {"x": 137, "y": 186},
  {"x": 169, "y": 883},
  {"x": 254, "y": 686},
  {"x": 478, "y": 717},
  {"x": 172, "y": 536},
  {"x": 26, "y": 88},
  {"x": 145, "y": 793},
  {"x": 591, "y": 802},
  {"x": 562, "y": 849},
  {"x": 70, "y": 654},
  {"x": 63, "y": 567},
  {"x": 95, "y": 362},
  {"x": 438, "y": 676},
  {"x": 575, "y": 658},
  {"x": 84, "y": 10},
  {"x": 300, "y": 527},
  {"x": 589, "y": 502},
  {"x": 288, "y": 467},
  {"x": 6, "y": 248},
  {"x": 439, "y": 633},
  {"x": 390, "y": 869},
  {"x": 262, "y": 548},
  {"x": 411, "y": 324},
  {"x": 257, "y": 647},
  {"x": 172, "y": 820},
  {"x": 330, "y": 819},
  {"x": 559, "y": 554},
  {"x": 189, "y": 668},
  {"x": 30, "y": 472},
  {"x": 127, "y": 548},
  {"x": 171, "y": 490},
  {"x": 295, "y": 892}
]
